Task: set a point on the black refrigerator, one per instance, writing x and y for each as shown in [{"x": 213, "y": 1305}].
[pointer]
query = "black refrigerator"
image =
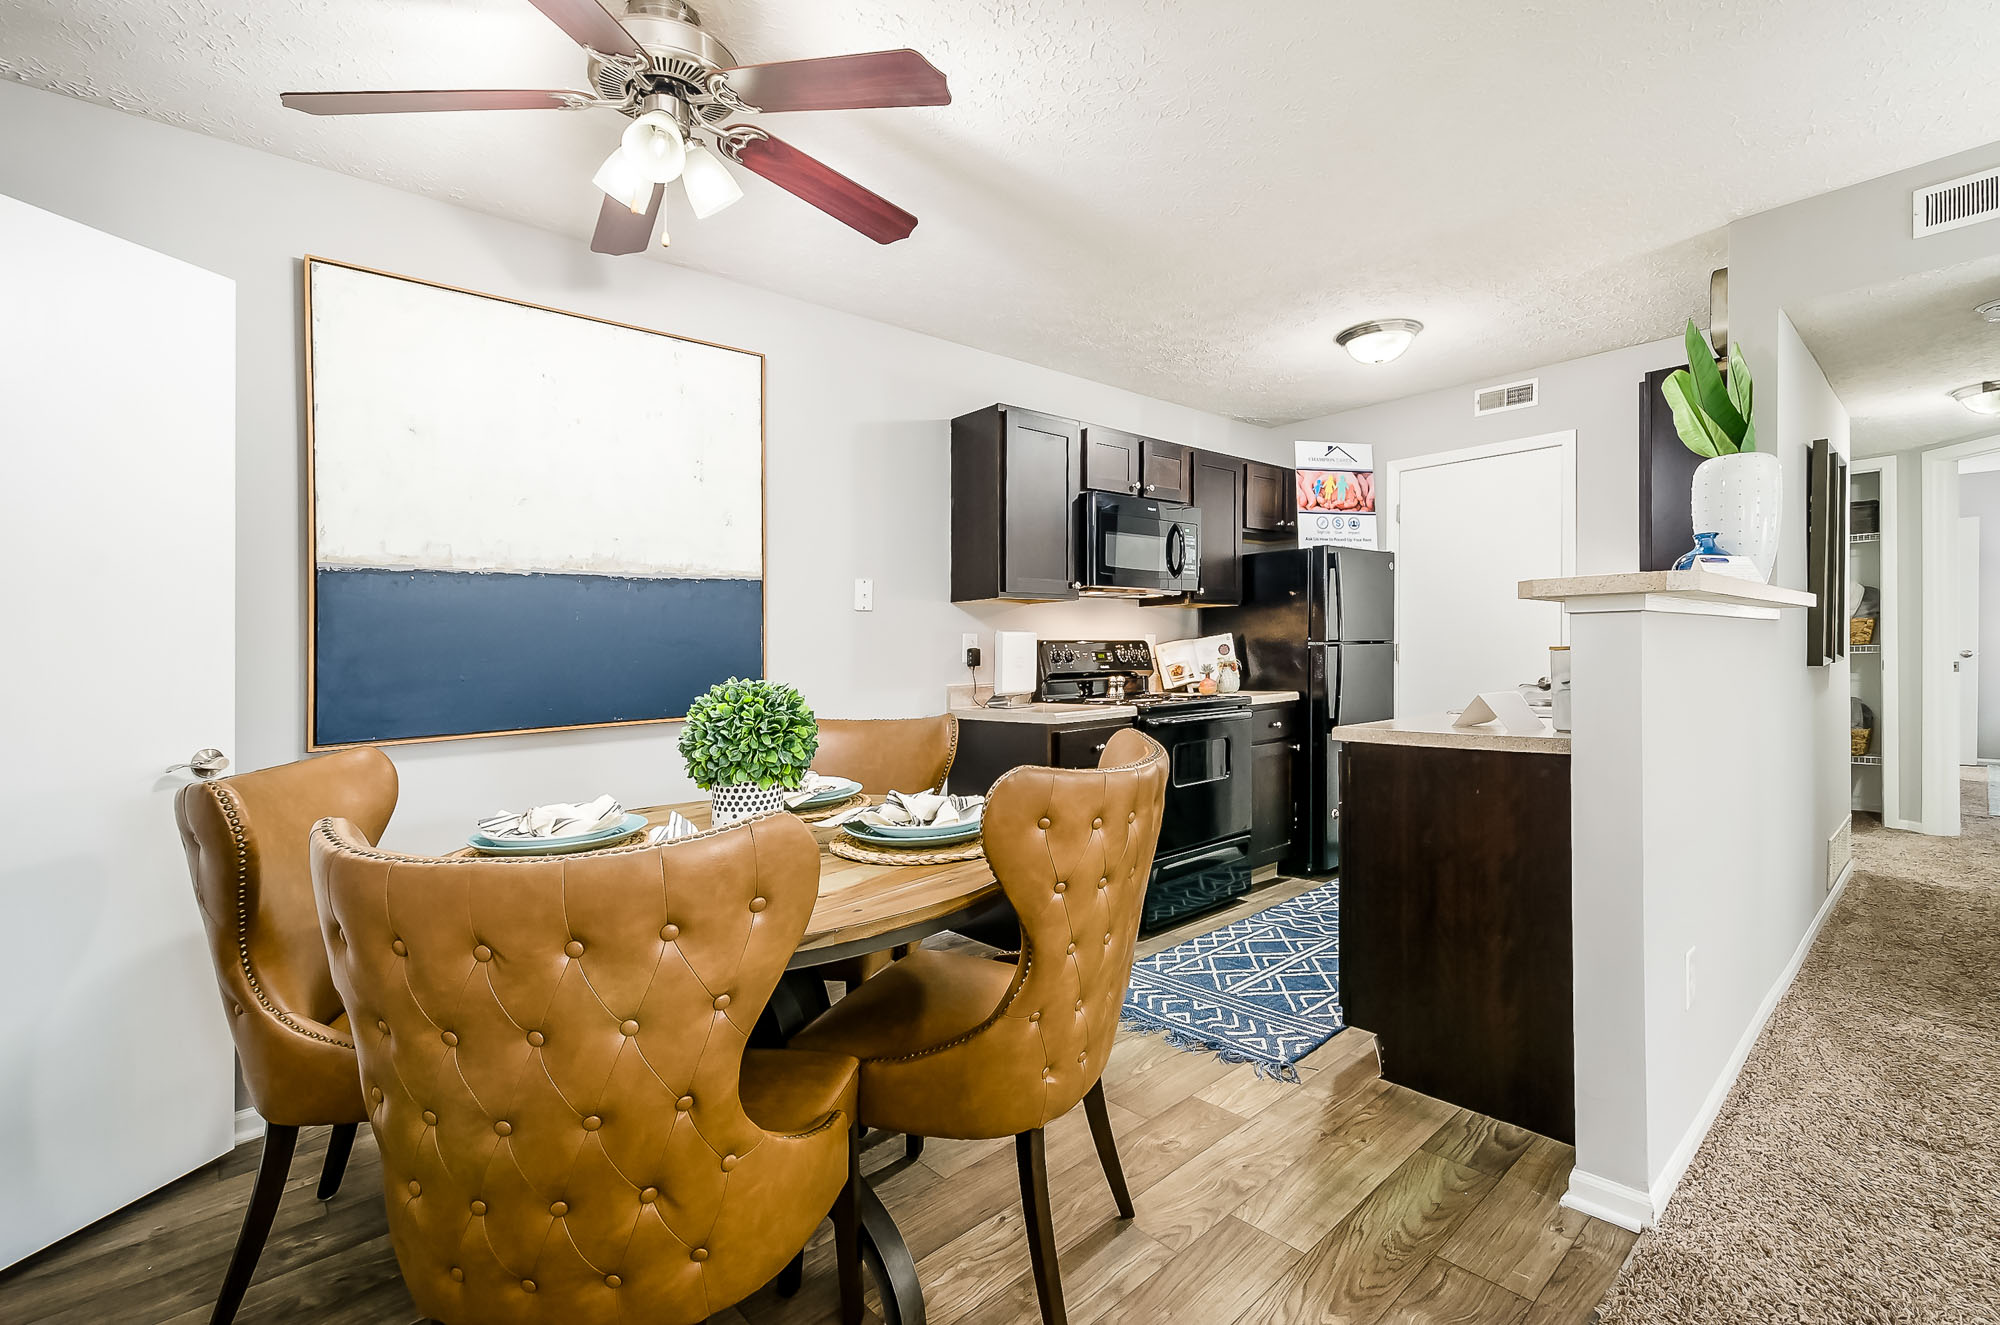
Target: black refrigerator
[{"x": 1321, "y": 621}]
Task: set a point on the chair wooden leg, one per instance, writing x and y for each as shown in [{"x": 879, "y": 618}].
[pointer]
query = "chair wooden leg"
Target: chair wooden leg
[
  {"x": 1107, "y": 1148},
  {"x": 1031, "y": 1152},
  {"x": 847, "y": 1234},
  {"x": 279, "y": 1143},
  {"x": 913, "y": 1146},
  {"x": 338, "y": 1147}
]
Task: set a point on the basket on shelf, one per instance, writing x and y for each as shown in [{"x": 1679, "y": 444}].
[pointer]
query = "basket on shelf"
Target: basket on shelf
[
  {"x": 1861, "y": 630},
  {"x": 1860, "y": 738}
]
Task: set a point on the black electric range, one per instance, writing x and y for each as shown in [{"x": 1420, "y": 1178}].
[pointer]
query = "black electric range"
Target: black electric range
[{"x": 1203, "y": 860}]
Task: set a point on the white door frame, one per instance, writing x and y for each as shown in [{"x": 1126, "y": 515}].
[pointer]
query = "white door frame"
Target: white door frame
[
  {"x": 1889, "y": 730},
  {"x": 1940, "y": 701},
  {"x": 1562, "y": 442}
]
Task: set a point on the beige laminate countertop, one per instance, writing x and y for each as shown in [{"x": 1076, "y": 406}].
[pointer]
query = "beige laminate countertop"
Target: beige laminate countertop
[
  {"x": 1064, "y": 715},
  {"x": 1435, "y": 729}
]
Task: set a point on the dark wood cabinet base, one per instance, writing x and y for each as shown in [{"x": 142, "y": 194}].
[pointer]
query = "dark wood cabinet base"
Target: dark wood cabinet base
[{"x": 1455, "y": 925}]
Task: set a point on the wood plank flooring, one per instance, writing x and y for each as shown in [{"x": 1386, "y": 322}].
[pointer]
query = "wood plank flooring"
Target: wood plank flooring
[{"x": 1339, "y": 1198}]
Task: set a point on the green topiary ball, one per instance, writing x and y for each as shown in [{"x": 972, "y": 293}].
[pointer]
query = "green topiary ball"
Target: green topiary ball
[{"x": 756, "y": 733}]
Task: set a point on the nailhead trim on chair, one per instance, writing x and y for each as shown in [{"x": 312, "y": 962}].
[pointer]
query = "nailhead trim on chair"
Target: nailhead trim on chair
[
  {"x": 325, "y": 829},
  {"x": 231, "y": 812}
]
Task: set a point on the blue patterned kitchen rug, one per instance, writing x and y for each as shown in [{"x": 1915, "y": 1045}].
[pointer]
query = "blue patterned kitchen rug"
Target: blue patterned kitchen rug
[{"x": 1265, "y": 990}]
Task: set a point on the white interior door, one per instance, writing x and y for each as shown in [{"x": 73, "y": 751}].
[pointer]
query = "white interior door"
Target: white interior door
[
  {"x": 1966, "y": 658},
  {"x": 117, "y": 581},
  {"x": 1469, "y": 526}
]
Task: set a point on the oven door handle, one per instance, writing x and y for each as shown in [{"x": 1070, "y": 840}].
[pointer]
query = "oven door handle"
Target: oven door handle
[{"x": 1181, "y": 719}]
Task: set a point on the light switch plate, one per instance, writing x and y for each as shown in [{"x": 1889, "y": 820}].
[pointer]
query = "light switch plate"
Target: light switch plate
[{"x": 864, "y": 595}]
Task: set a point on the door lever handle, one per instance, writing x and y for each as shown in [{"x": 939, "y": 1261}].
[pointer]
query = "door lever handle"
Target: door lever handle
[{"x": 204, "y": 763}]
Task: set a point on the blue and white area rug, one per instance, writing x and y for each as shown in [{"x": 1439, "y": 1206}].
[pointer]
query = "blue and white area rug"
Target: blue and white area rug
[{"x": 1265, "y": 990}]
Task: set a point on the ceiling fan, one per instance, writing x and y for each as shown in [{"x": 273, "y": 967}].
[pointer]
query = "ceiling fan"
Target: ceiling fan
[{"x": 677, "y": 83}]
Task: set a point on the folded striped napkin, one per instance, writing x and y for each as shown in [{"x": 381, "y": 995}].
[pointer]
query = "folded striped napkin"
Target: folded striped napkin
[{"x": 544, "y": 821}]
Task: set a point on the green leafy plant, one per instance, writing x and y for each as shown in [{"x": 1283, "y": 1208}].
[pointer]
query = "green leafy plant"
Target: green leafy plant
[
  {"x": 756, "y": 732},
  {"x": 1711, "y": 415}
]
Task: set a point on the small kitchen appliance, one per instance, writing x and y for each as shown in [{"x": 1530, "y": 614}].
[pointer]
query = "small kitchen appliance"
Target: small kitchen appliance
[{"x": 1135, "y": 547}]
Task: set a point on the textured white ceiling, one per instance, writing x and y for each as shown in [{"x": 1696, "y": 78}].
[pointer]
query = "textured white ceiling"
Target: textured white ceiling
[
  {"x": 1183, "y": 197},
  {"x": 1893, "y": 353}
]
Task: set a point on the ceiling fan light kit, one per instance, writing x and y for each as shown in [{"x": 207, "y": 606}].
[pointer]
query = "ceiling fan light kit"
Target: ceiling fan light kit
[
  {"x": 1381, "y": 341},
  {"x": 675, "y": 82}
]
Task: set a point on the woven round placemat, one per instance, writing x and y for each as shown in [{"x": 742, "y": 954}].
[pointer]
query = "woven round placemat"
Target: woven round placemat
[
  {"x": 819, "y": 812},
  {"x": 848, "y": 849}
]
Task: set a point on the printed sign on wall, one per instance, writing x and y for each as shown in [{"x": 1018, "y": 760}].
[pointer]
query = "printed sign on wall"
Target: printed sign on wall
[{"x": 1336, "y": 493}]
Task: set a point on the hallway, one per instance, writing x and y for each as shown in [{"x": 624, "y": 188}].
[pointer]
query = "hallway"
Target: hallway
[{"x": 1854, "y": 1173}]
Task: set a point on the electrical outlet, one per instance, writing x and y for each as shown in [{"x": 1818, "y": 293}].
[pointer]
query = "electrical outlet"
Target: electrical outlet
[
  {"x": 1690, "y": 980},
  {"x": 864, "y": 595},
  {"x": 968, "y": 642}
]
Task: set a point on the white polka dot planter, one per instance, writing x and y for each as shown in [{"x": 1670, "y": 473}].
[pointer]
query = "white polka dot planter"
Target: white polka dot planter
[
  {"x": 1738, "y": 499},
  {"x": 729, "y": 805}
]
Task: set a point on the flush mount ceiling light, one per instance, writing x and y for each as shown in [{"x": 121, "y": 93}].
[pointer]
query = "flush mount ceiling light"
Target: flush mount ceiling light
[
  {"x": 1990, "y": 310},
  {"x": 1379, "y": 342},
  {"x": 1980, "y": 397},
  {"x": 658, "y": 67}
]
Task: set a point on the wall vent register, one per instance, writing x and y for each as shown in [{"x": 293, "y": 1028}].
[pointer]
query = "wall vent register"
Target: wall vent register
[
  {"x": 1954, "y": 203},
  {"x": 1510, "y": 395}
]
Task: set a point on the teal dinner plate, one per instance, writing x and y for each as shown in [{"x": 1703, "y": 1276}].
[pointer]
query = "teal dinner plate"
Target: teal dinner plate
[
  {"x": 556, "y": 846},
  {"x": 833, "y": 795},
  {"x": 907, "y": 835}
]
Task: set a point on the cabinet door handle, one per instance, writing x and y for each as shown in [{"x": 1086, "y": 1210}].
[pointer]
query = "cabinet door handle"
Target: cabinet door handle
[
  {"x": 1149, "y": 487},
  {"x": 1099, "y": 747}
]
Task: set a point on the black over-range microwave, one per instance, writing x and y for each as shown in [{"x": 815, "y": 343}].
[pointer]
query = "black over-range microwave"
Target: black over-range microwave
[{"x": 1137, "y": 547}]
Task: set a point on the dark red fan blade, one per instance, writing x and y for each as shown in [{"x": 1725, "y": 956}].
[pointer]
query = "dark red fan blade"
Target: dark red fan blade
[
  {"x": 827, "y": 189},
  {"x": 841, "y": 82},
  {"x": 622, "y": 230},
  {"x": 386, "y": 103},
  {"x": 589, "y": 24}
]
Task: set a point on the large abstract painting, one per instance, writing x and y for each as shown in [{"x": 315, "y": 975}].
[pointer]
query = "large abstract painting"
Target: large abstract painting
[{"x": 522, "y": 519}]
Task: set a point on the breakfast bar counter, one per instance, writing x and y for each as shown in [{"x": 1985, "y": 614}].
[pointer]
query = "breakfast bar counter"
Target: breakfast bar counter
[{"x": 1455, "y": 913}]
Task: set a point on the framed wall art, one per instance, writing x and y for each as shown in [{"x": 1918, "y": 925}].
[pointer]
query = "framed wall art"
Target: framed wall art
[{"x": 521, "y": 519}]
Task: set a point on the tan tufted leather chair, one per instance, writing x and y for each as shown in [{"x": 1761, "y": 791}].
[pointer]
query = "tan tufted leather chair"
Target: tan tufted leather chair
[
  {"x": 888, "y": 754},
  {"x": 958, "y": 1046},
  {"x": 245, "y": 839},
  {"x": 553, "y": 1058}
]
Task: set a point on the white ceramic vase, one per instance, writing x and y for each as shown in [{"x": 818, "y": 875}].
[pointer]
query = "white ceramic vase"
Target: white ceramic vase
[
  {"x": 730, "y": 805},
  {"x": 1738, "y": 498}
]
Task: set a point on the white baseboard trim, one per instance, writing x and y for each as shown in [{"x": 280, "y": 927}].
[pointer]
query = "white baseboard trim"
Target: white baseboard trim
[
  {"x": 1697, "y": 1132},
  {"x": 1613, "y": 1202},
  {"x": 249, "y": 1125}
]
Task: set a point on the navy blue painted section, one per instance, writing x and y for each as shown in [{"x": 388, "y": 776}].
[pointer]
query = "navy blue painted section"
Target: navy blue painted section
[{"x": 447, "y": 653}]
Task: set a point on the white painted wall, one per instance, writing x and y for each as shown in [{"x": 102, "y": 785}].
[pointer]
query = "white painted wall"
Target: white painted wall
[
  {"x": 857, "y": 442},
  {"x": 1979, "y": 494},
  {"x": 1597, "y": 397}
]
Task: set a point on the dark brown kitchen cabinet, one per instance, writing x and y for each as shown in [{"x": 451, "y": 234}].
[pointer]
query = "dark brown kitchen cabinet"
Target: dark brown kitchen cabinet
[
  {"x": 1015, "y": 475},
  {"x": 1218, "y": 495},
  {"x": 990, "y": 747},
  {"x": 1111, "y": 460},
  {"x": 1166, "y": 471},
  {"x": 1115, "y": 461},
  {"x": 1273, "y": 754},
  {"x": 1269, "y": 501}
]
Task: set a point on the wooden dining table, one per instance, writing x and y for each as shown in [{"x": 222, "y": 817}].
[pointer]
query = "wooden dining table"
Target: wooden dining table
[{"x": 865, "y": 907}]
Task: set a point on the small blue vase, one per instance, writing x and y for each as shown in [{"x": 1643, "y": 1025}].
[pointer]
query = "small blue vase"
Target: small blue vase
[{"x": 1704, "y": 546}]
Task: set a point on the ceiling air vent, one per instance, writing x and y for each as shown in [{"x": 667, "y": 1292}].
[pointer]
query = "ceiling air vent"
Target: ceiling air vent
[
  {"x": 1955, "y": 203},
  {"x": 1500, "y": 399}
]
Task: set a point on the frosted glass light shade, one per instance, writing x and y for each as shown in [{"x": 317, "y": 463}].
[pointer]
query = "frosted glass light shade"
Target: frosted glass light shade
[
  {"x": 654, "y": 144},
  {"x": 620, "y": 179},
  {"x": 1980, "y": 397},
  {"x": 710, "y": 186},
  {"x": 1379, "y": 342}
]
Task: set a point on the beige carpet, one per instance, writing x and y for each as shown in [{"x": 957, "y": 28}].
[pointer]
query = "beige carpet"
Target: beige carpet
[{"x": 1854, "y": 1174}]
